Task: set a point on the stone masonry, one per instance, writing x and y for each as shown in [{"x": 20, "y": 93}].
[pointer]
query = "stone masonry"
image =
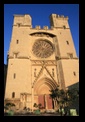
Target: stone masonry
[{"x": 40, "y": 59}]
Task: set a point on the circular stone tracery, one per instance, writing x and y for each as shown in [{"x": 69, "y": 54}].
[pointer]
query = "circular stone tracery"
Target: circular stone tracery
[{"x": 43, "y": 48}]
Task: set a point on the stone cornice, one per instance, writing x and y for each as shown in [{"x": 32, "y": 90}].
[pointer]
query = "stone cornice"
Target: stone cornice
[
  {"x": 12, "y": 99},
  {"x": 23, "y": 25},
  {"x": 61, "y": 28},
  {"x": 19, "y": 57},
  {"x": 60, "y": 58}
]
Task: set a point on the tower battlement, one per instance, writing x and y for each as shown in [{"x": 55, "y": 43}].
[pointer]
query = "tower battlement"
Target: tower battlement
[
  {"x": 55, "y": 21},
  {"x": 59, "y": 21},
  {"x": 22, "y": 20},
  {"x": 59, "y": 16},
  {"x": 38, "y": 27}
]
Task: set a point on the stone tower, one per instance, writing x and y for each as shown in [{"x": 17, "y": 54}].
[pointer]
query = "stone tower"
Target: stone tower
[{"x": 40, "y": 59}]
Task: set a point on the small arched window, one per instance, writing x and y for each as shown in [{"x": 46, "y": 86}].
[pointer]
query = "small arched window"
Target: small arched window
[
  {"x": 74, "y": 73},
  {"x": 13, "y": 94},
  {"x": 67, "y": 42},
  {"x": 14, "y": 75},
  {"x": 17, "y": 41}
]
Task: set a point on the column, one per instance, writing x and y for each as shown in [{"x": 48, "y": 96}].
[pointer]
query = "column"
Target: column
[{"x": 32, "y": 98}]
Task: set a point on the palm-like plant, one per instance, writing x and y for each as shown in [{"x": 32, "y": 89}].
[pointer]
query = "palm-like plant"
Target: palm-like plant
[
  {"x": 64, "y": 99},
  {"x": 55, "y": 95}
]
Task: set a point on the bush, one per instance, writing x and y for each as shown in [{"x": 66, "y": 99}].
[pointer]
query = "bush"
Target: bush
[
  {"x": 37, "y": 111},
  {"x": 10, "y": 113}
]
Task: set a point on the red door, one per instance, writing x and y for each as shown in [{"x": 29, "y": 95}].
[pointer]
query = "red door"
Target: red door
[
  {"x": 41, "y": 100},
  {"x": 45, "y": 101},
  {"x": 49, "y": 102}
]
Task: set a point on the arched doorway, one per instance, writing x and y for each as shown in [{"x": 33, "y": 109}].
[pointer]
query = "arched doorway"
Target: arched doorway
[{"x": 41, "y": 92}]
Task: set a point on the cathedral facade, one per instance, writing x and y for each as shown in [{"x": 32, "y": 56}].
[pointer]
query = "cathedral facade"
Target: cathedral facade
[{"x": 39, "y": 60}]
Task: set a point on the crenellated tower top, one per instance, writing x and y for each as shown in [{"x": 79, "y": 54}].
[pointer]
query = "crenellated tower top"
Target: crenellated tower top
[
  {"x": 58, "y": 21},
  {"x": 21, "y": 20}
]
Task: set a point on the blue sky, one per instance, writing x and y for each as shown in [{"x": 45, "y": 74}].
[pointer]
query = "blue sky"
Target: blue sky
[{"x": 40, "y": 16}]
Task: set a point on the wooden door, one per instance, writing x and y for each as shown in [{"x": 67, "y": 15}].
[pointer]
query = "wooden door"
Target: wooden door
[
  {"x": 41, "y": 100},
  {"x": 49, "y": 102}
]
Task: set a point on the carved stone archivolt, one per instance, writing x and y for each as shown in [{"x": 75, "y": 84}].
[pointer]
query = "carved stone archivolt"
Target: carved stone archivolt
[
  {"x": 42, "y": 34},
  {"x": 43, "y": 48},
  {"x": 41, "y": 70}
]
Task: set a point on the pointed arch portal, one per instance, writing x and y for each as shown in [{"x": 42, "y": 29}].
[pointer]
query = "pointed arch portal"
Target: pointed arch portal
[{"x": 41, "y": 92}]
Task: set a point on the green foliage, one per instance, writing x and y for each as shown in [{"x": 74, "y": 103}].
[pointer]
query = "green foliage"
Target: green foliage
[
  {"x": 10, "y": 113},
  {"x": 10, "y": 104},
  {"x": 37, "y": 105},
  {"x": 73, "y": 112},
  {"x": 5, "y": 107},
  {"x": 64, "y": 97},
  {"x": 55, "y": 94},
  {"x": 37, "y": 111},
  {"x": 8, "y": 108},
  {"x": 73, "y": 94}
]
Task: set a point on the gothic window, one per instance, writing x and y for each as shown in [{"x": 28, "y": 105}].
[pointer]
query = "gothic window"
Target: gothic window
[{"x": 13, "y": 94}]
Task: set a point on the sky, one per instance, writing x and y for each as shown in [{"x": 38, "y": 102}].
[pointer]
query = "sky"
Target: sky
[{"x": 40, "y": 16}]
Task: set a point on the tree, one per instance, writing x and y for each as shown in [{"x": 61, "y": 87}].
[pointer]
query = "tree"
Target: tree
[
  {"x": 64, "y": 97},
  {"x": 55, "y": 95},
  {"x": 38, "y": 106},
  {"x": 73, "y": 95}
]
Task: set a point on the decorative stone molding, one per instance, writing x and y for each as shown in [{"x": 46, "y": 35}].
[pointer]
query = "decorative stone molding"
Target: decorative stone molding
[{"x": 41, "y": 62}]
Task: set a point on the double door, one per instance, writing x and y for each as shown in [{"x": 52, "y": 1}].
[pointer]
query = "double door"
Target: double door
[{"x": 45, "y": 101}]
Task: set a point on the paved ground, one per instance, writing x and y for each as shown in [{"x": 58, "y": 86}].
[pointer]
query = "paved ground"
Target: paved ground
[
  {"x": 39, "y": 115},
  {"x": 46, "y": 114}
]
